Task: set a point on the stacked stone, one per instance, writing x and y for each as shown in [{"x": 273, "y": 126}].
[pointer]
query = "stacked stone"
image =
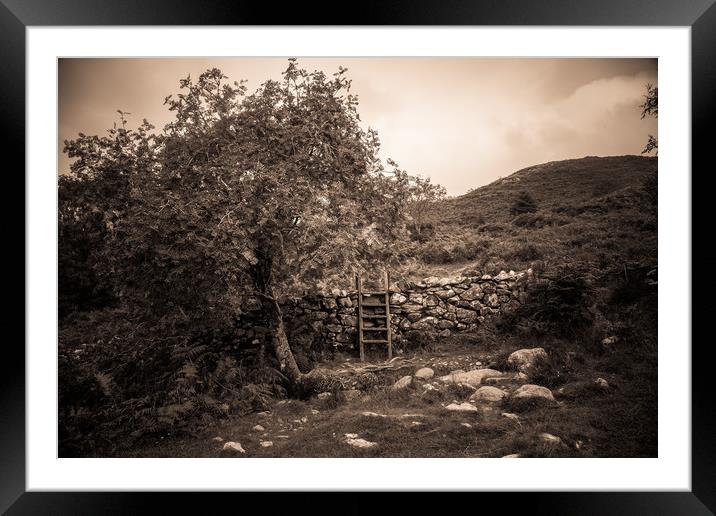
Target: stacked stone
[
  {"x": 455, "y": 303},
  {"x": 443, "y": 305}
]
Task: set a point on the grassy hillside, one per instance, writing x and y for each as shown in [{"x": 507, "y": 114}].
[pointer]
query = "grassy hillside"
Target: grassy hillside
[{"x": 595, "y": 211}]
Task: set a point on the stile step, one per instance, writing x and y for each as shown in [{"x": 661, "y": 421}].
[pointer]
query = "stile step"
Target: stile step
[{"x": 373, "y": 341}]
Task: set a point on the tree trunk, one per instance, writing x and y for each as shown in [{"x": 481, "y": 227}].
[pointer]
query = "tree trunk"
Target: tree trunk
[{"x": 282, "y": 349}]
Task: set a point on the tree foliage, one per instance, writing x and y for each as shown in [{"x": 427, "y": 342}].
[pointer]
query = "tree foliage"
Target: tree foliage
[
  {"x": 650, "y": 107},
  {"x": 265, "y": 195},
  {"x": 422, "y": 198}
]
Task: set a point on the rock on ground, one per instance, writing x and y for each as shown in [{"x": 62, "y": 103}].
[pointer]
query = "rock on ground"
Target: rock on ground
[
  {"x": 488, "y": 394},
  {"x": 524, "y": 360},
  {"x": 512, "y": 456},
  {"x": 461, "y": 407},
  {"x": 601, "y": 383},
  {"x": 403, "y": 383},
  {"x": 474, "y": 377},
  {"x": 506, "y": 379},
  {"x": 424, "y": 373},
  {"x": 233, "y": 446},
  {"x": 550, "y": 439},
  {"x": 533, "y": 391},
  {"x": 266, "y": 444},
  {"x": 258, "y": 428},
  {"x": 511, "y": 416},
  {"x": 357, "y": 442},
  {"x": 531, "y": 396}
]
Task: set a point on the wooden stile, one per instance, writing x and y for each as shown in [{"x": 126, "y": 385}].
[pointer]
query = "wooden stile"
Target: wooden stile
[{"x": 367, "y": 302}]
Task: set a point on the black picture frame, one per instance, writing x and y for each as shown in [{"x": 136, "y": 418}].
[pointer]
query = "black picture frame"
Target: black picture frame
[{"x": 700, "y": 15}]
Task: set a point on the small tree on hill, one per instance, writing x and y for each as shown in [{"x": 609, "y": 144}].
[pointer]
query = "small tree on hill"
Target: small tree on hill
[
  {"x": 650, "y": 107},
  {"x": 421, "y": 201},
  {"x": 262, "y": 195},
  {"x": 524, "y": 203}
]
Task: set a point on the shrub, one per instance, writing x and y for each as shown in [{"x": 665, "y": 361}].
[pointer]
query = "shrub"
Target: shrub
[
  {"x": 531, "y": 220},
  {"x": 527, "y": 253},
  {"x": 558, "y": 305},
  {"x": 523, "y": 203}
]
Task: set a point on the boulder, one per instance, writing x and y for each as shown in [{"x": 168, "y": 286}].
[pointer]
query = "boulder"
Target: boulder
[
  {"x": 445, "y": 294},
  {"x": 550, "y": 439},
  {"x": 431, "y": 300},
  {"x": 432, "y": 281},
  {"x": 461, "y": 407},
  {"x": 357, "y": 442},
  {"x": 424, "y": 373},
  {"x": 488, "y": 394},
  {"x": 502, "y": 276},
  {"x": 412, "y": 308},
  {"x": 403, "y": 383},
  {"x": 582, "y": 389},
  {"x": 466, "y": 316},
  {"x": 426, "y": 323},
  {"x": 529, "y": 396},
  {"x": 397, "y": 299},
  {"x": 474, "y": 377},
  {"x": 444, "y": 324},
  {"x": 473, "y": 293},
  {"x": 524, "y": 360},
  {"x": 601, "y": 383},
  {"x": 493, "y": 301},
  {"x": 233, "y": 446},
  {"x": 508, "y": 378}
]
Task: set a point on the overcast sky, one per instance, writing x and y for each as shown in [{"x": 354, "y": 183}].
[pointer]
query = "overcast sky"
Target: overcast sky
[{"x": 462, "y": 121}]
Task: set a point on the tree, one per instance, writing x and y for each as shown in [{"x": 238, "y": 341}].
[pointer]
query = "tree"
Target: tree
[
  {"x": 422, "y": 197},
  {"x": 523, "y": 203},
  {"x": 248, "y": 196},
  {"x": 650, "y": 107},
  {"x": 90, "y": 198}
]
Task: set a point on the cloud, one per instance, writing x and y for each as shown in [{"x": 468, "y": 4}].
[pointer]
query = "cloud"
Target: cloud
[{"x": 462, "y": 121}]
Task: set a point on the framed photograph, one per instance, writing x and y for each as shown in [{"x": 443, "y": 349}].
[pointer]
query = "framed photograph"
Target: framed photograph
[{"x": 274, "y": 250}]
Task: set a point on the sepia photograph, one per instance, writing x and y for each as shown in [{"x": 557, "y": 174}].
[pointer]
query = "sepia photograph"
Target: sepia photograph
[{"x": 357, "y": 257}]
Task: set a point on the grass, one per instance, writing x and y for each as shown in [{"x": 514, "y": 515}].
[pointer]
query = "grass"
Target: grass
[
  {"x": 592, "y": 210},
  {"x": 618, "y": 422}
]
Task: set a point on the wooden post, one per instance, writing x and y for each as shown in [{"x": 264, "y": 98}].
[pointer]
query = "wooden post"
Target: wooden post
[
  {"x": 387, "y": 314},
  {"x": 360, "y": 317}
]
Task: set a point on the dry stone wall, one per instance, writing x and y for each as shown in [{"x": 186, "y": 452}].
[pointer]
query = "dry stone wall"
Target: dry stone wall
[{"x": 441, "y": 305}]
